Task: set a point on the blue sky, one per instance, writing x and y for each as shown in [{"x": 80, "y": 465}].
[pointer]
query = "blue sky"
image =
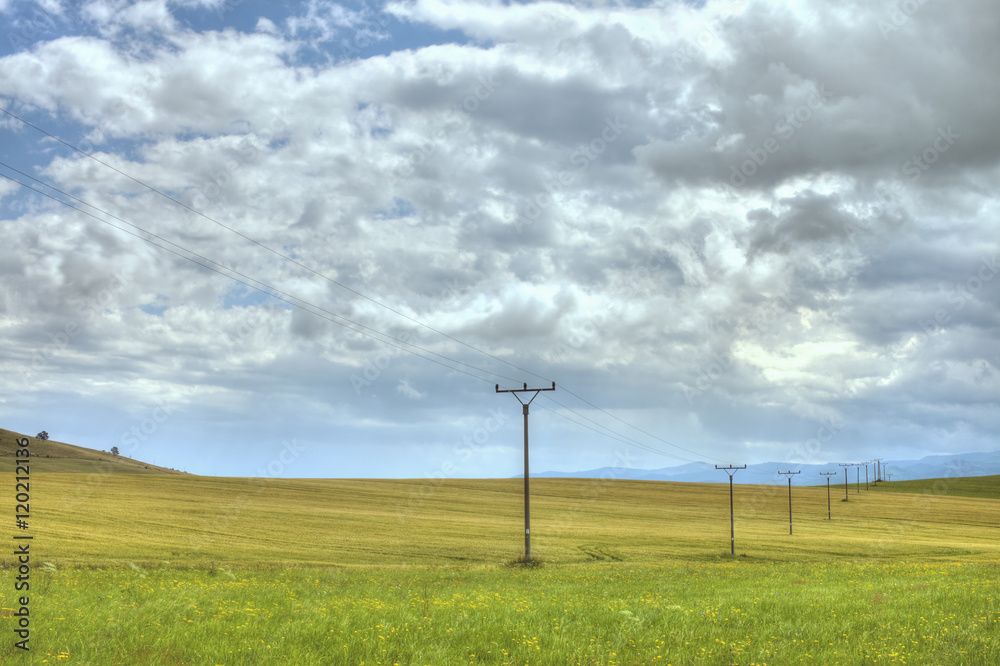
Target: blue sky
[{"x": 730, "y": 232}]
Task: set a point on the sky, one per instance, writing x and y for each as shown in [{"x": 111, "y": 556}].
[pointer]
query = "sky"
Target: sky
[{"x": 731, "y": 232}]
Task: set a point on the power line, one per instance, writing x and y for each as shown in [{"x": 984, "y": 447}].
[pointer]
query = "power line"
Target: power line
[
  {"x": 263, "y": 245},
  {"x": 620, "y": 437},
  {"x": 278, "y": 294},
  {"x": 333, "y": 281},
  {"x": 247, "y": 280},
  {"x": 648, "y": 434}
]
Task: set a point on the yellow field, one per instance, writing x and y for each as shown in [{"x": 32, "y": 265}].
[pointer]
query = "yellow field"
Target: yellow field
[
  {"x": 87, "y": 518},
  {"x": 158, "y": 568}
]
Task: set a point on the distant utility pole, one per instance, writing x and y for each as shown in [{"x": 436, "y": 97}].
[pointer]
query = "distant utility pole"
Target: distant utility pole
[
  {"x": 889, "y": 475},
  {"x": 527, "y": 505},
  {"x": 866, "y": 476},
  {"x": 845, "y": 466},
  {"x": 858, "y": 466},
  {"x": 878, "y": 470},
  {"x": 789, "y": 475},
  {"x": 732, "y": 531},
  {"x": 828, "y": 475}
]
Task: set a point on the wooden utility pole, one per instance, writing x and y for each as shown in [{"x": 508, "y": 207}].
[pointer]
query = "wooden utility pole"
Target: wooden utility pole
[
  {"x": 845, "y": 466},
  {"x": 527, "y": 502},
  {"x": 732, "y": 530},
  {"x": 828, "y": 475},
  {"x": 789, "y": 475}
]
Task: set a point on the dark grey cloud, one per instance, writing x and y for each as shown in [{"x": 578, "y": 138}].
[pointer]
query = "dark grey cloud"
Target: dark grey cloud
[{"x": 728, "y": 246}]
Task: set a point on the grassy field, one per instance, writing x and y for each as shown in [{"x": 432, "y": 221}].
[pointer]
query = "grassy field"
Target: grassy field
[
  {"x": 60, "y": 457},
  {"x": 176, "y": 569},
  {"x": 969, "y": 486},
  {"x": 150, "y": 519},
  {"x": 739, "y": 611}
]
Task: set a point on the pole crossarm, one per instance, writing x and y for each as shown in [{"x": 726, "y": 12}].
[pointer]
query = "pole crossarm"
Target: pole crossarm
[
  {"x": 789, "y": 475},
  {"x": 525, "y": 390},
  {"x": 527, "y": 501},
  {"x": 732, "y": 529},
  {"x": 845, "y": 466},
  {"x": 829, "y": 515}
]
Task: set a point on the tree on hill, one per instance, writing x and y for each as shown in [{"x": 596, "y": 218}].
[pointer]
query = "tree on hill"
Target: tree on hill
[
  {"x": 42, "y": 435},
  {"x": 114, "y": 450}
]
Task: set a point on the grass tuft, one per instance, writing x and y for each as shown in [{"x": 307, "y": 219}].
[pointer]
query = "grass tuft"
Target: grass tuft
[{"x": 521, "y": 562}]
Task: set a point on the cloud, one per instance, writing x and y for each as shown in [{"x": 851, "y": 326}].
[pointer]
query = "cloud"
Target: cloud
[
  {"x": 704, "y": 219},
  {"x": 404, "y": 388}
]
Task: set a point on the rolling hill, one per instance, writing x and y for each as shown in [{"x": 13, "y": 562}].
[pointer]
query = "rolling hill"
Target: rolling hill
[{"x": 66, "y": 458}]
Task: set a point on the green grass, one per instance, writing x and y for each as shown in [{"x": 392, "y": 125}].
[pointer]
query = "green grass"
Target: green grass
[
  {"x": 736, "y": 612},
  {"x": 178, "y": 569},
  {"x": 987, "y": 487}
]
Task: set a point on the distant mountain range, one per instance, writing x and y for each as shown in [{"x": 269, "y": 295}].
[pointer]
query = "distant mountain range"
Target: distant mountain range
[{"x": 929, "y": 467}]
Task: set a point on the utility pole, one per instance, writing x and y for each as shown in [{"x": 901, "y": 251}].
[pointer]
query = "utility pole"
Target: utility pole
[
  {"x": 828, "y": 475},
  {"x": 732, "y": 532},
  {"x": 866, "y": 476},
  {"x": 858, "y": 491},
  {"x": 878, "y": 470},
  {"x": 789, "y": 475},
  {"x": 845, "y": 466},
  {"x": 527, "y": 503}
]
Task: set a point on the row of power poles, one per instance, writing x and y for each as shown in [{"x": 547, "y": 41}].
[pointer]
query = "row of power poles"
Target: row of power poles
[{"x": 731, "y": 470}]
